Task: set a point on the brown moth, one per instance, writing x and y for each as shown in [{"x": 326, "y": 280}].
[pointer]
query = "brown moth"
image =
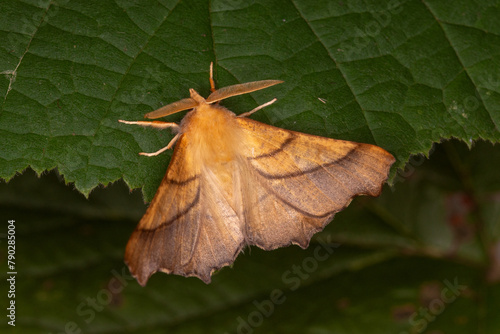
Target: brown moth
[{"x": 233, "y": 181}]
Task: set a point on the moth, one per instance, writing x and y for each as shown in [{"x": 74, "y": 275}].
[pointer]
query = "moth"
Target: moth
[{"x": 233, "y": 181}]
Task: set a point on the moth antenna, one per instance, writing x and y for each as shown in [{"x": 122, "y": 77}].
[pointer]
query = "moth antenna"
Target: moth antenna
[
  {"x": 172, "y": 108},
  {"x": 212, "y": 83},
  {"x": 239, "y": 89}
]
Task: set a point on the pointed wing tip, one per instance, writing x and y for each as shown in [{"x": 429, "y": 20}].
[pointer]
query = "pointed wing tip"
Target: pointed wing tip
[
  {"x": 140, "y": 276},
  {"x": 376, "y": 191},
  {"x": 142, "y": 268},
  {"x": 386, "y": 160},
  {"x": 142, "y": 282},
  {"x": 391, "y": 159}
]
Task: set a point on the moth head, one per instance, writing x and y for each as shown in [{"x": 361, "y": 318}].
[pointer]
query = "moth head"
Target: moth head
[{"x": 197, "y": 97}]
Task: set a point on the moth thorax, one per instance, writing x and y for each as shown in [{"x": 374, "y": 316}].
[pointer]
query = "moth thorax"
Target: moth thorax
[{"x": 213, "y": 133}]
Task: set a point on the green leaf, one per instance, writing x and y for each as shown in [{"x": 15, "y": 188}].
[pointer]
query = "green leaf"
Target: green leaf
[{"x": 400, "y": 74}]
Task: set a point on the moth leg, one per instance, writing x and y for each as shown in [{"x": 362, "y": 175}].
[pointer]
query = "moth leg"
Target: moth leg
[
  {"x": 248, "y": 113},
  {"x": 153, "y": 124},
  {"x": 157, "y": 125},
  {"x": 169, "y": 146}
]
